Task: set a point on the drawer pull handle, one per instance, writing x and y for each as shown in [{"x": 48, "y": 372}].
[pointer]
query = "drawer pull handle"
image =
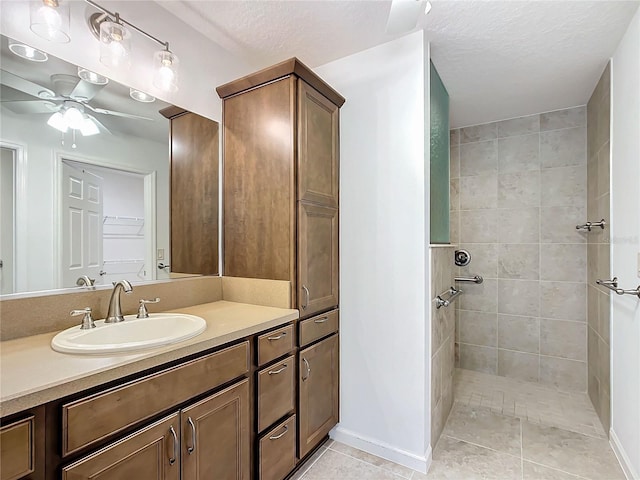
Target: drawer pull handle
[
  {"x": 306, "y": 363},
  {"x": 172, "y": 460},
  {"x": 192, "y": 448},
  {"x": 321, "y": 320},
  {"x": 276, "y": 437},
  {"x": 306, "y": 297},
  {"x": 278, "y": 337},
  {"x": 275, "y": 372}
]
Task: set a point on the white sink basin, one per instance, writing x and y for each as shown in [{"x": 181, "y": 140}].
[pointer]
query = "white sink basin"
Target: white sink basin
[{"x": 132, "y": 334}]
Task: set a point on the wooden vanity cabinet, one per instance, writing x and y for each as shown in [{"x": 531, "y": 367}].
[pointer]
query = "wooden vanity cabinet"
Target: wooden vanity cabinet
[
  {"x": 281, "y": 180},
  {"x": 216, "y": 436},
  {"x": 22, "y": 446},
  {"x": 319, "y": 379}
]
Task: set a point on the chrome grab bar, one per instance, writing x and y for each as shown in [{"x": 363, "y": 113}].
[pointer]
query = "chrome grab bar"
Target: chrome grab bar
[
  {"x": 475, "y": 279},
  {"x": 613, "y": 286},
  {"x": 589, "y": 225},
  {"x": 453, "y": 293}
]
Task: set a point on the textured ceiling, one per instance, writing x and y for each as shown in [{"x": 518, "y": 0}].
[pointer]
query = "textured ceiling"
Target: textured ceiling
[{"x": 498, "y": 59}]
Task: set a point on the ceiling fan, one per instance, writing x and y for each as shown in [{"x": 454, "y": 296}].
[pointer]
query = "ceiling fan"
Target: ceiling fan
[
  {"x": 68, "y": 102},
  {"x": 404, "y": 15}
]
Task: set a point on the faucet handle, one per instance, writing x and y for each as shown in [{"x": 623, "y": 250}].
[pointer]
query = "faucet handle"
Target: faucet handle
[
  {"x": 142, "y": 309},
  {"x": 87, "y": 320}
]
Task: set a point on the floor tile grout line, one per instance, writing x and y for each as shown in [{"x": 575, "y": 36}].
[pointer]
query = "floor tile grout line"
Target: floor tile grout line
[
  {"x": 313, "y": 463},
  {"x": 558, "y": 470},
  {"x": 371, "y": 464},
  {"x": 478, "y": 445}
]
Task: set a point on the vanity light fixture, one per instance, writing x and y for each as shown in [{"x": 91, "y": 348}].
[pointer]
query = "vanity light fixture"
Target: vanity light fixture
[
  {"x": 92, "y": 77},
  {"x": 166, "y": 70},
  {"x": 115, "y": 47},
  {"x": 115, "y": 44},
  {"x": 140, "y": 96},
  {"x": 49, "y": 19},
  {"x": 25, "y": 51}
]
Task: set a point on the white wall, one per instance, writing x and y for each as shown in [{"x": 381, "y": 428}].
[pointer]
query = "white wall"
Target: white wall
[
  {"x": 35, "y": 216},
  {"x": 383, "y": 233},
  {"x": 625, "y": 248},
  {"x": 203, "y": 64}
]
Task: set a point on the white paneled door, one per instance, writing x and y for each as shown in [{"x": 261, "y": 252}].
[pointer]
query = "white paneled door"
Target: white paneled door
[{"x": 82, "y": 214}]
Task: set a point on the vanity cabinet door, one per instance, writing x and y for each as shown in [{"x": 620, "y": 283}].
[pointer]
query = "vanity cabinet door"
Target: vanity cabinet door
[
  {"x": 317, "y": 259},
  {"x": 152, "y": 453},
  {"x": 319, "y": 393},
  {"x": 318, "y": 147},
  {"x": 216, "y": 436}
]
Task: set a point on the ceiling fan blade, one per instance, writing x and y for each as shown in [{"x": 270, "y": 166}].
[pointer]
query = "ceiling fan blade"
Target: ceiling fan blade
[
  {"x": 85, "y": 90},
  {"x": 30, "y": 106},
  {"x": 101, "y": 126},
  {"x": 25, "y": 86},
  {"x": 104, "y": 111},
  {"x": 404, "y": 15}
]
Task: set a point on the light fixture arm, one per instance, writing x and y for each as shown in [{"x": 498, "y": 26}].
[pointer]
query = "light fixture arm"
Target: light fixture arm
[{"x": 121, "y": 20}]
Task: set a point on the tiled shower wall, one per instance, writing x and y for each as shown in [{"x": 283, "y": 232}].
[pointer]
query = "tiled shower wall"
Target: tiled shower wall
[
  {"x": 598, "y": 252},
  {"x": 518, "y": 190},
  {"x": 442, "y": 339}
]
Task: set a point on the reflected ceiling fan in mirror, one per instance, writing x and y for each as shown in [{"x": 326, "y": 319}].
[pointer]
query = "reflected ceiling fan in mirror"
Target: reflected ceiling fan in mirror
[
  {"x": 67, "y": 102},
  {"x": 405, "y": 14}
]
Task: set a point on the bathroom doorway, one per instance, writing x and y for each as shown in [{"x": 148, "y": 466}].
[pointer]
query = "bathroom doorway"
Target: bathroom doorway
[{"x": 115, "y": 223}]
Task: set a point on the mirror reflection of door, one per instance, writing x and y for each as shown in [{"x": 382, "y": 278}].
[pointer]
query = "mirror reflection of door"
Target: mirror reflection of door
[
  {"x": 7, "y": 216},
  {"x": 111, "y": 244}
]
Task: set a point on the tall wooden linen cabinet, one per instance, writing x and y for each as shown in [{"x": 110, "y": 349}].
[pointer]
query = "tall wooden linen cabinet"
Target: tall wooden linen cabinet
[{"x": 281, "y": 181}]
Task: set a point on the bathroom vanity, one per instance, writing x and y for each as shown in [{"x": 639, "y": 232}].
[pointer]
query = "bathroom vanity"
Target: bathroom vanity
[{"x": 220, "y": 405}]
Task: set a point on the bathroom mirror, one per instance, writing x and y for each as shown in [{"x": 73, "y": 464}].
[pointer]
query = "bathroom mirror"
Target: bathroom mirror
[{"x": 93, "y": 200}]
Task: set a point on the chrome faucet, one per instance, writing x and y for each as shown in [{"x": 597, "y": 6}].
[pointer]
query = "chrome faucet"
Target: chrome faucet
[{"x": 114, "y": 314}]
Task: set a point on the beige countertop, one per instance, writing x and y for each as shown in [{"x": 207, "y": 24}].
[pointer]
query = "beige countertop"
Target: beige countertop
[{"x": 32, "y": 373}]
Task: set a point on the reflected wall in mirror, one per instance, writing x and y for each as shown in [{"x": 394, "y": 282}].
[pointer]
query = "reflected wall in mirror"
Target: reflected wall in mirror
[{"x": 84, "y": 179}]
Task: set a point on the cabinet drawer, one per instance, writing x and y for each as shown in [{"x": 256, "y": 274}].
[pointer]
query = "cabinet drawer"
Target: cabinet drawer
[
  {"x": 276, "y": 392},
  {"x": 17, "y": 449},
  {"x": 277, "y": 450},
  {"x": 151, "y": 453},
  {"x": 318, "y": 327},
  {"x": 275, "y": 344},
  {"x": 99, "y": 416}
]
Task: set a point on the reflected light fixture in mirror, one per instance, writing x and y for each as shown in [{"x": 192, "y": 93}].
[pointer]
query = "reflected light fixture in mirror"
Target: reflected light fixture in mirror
[
  {"x": 140, "y": 96},
  {"x": 49, "y": 19},
  {"x": 115, "y": 44},
  {"x": 28, "y": 53},
  {"x": 92, "y": 77}
]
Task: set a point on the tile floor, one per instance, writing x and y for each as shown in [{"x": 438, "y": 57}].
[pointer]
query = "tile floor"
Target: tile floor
[{"x": 498, "y": 429}]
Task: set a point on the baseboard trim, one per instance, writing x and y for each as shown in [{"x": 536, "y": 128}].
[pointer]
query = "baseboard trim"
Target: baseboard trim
[
  {"x": 382, "y": 449},
  {"x": 622, "y": 456}
]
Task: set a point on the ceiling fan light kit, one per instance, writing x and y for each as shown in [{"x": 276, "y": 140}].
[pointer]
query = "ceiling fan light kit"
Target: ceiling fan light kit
[
  {"x": 50, "y": 20},
  {"x": 27, "y": 52}
]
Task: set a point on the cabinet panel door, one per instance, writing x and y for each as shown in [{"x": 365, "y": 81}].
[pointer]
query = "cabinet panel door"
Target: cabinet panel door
[
  {"x": 215, "y": 436},
  {"x": 319, "y": 392},
  {"x": 318, "y": 140},
  {"x": 152, "y": 453},
  {"x": 317, "y": 259}
]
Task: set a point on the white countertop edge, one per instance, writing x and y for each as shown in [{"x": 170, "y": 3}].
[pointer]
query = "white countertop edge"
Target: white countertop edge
[{"x": 131, "y": 363}]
